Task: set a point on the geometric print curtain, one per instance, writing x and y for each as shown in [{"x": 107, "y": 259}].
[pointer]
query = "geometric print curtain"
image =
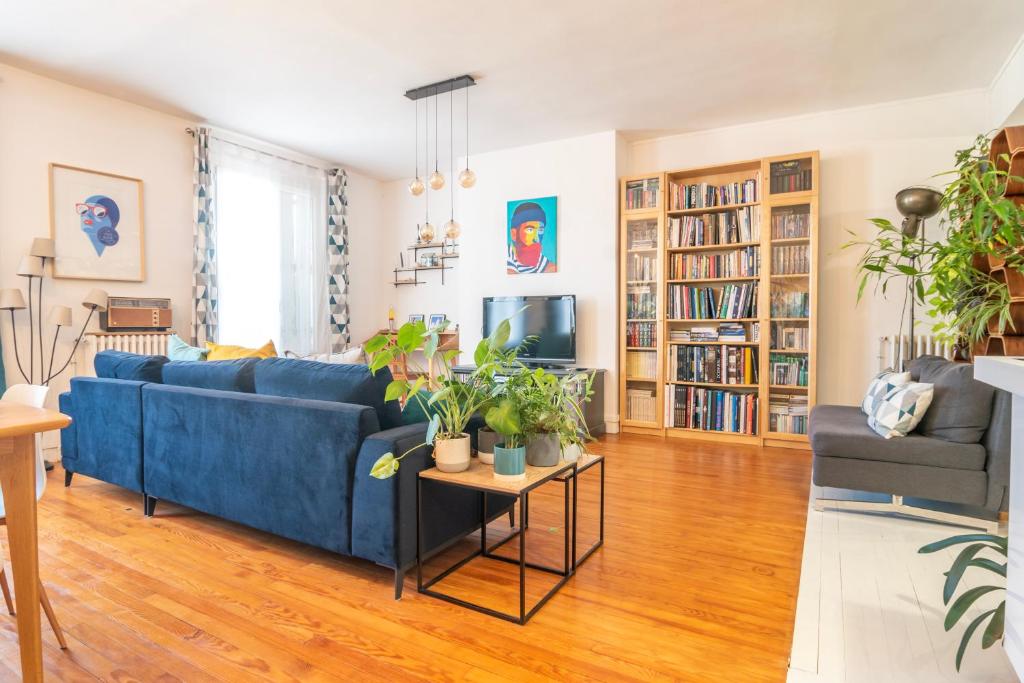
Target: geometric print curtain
[
  {"x": 204, "y": 239},
  {"x": 337, "y": 259}
]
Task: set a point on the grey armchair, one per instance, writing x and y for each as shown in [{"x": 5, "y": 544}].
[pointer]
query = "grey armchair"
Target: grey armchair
[{"x": 960, "y": 453}]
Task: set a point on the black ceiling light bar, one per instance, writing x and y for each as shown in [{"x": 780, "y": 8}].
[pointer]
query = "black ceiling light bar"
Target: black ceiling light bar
[{"x": 441, "y": 87}]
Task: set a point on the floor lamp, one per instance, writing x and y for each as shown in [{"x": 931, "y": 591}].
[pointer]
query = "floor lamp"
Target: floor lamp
[{"x": 916, "y": 204}]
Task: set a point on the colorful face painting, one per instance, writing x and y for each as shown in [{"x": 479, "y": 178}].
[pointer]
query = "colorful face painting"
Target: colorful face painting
[
  {"x": 532, "y": 236},
  {"x": 99, "y": 216}
]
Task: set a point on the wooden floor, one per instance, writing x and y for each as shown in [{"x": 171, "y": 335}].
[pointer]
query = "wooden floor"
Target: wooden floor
[{"x": 697, "y": 581}]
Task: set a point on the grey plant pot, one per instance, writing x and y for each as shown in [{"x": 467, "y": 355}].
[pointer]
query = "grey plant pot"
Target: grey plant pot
[
  {"x": 486, "y": 440},
  {"x": 543, "y": 450}
]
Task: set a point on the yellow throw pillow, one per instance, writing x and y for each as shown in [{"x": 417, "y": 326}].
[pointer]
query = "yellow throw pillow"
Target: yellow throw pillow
[{"x": 227, "y": 352}]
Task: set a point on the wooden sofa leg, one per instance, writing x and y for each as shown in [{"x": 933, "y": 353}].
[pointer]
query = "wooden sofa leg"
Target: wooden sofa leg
[
  {"x": 148, "y": 504},
  {"x": 67, "y": 478},
  {"x": 399, "y": 583}
]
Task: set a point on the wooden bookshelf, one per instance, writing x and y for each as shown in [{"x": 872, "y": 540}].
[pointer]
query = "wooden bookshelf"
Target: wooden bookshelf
[{"x": 786, "y": 197}]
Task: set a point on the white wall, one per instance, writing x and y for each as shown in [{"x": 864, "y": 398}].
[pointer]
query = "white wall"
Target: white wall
[
  {"x": 582, "y": 173},
  {"x": 867, "y": 155}
]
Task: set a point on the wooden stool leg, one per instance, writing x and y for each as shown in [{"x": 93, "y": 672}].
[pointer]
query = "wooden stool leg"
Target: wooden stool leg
[
  {"x": 7, "y": 591},
  {"x": 45, "y": 602}
]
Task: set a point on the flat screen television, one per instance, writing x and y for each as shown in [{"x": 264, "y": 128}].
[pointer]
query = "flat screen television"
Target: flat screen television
[{"x": 552, "y": 319}]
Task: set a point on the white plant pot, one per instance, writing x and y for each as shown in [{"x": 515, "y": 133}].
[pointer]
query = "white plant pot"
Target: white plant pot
[
  {"x": 572, "y": 452},
  {"x": 452, "y": 455}
]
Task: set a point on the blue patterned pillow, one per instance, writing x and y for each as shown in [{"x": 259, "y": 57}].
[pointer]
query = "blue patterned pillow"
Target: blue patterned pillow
[
  {"x": 900, "y": 410},
  {"x": 882, "y": 384}
]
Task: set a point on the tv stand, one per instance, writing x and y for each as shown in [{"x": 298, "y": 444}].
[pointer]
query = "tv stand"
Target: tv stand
[{"x": 593, "y": 410}]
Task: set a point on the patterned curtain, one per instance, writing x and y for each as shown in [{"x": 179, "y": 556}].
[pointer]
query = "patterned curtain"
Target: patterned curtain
[
  {"x": 337, "y": 259},
  {"x": 204, "y": 237}
]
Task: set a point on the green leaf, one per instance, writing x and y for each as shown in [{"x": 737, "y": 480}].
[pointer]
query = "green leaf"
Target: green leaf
[
  {"x": 408, "y": 337},
  {"x": 450, "y": 355},
  {"x": 430, "y": 346},
  {"x": 435, "y": 424},
  {"x": 396, "y": 389},
  {"x": 991, "y": 565},
  {"x": 956, "y": 571},
  {"x": 963, "y": 603},
  {"x": 376, "y": 343},
  {"x": 968, "y": 632},
  {"x": 499, "y": 337},
  {"x": 994, "y": 631},
  {"x": 504, "y": 418},
  {"x": 481, "y": 353},
  {"x": 417, "y": 385},
  {"x": 385, "y": 467},
  {"x": 966, "y": 538}
]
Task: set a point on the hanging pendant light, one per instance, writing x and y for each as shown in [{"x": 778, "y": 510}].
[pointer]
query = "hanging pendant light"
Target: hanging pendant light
[
  {"x": 416, "y": 185},
  {"x": 467, "y": 178},
  {"x": 436, "y": 179},
  {"x": 426, "y": 231},
  {"x": 451, "y": 228}
]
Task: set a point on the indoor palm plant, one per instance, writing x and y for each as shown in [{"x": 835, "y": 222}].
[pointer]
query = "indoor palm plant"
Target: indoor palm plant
[
  {"x": 971, "y": 557},
  {"x": 980, "y": 225}
]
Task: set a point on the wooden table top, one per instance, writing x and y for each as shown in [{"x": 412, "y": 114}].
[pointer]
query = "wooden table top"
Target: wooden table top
[
  {"x": 481, "y": 476},
  {"x": 18, "y": 420}
]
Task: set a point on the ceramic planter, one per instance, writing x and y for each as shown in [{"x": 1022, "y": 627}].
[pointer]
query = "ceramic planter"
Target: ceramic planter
[
  {"x": 509, "y": 463},
  {"x": 486, "y": 440},
  {"x": 572, "y": 452},
  {"x": 452, "y": 455},
  {"x": 543, "y": 450}
]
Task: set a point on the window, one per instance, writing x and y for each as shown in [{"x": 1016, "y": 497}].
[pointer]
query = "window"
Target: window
[{"x": 271, "y": 251}]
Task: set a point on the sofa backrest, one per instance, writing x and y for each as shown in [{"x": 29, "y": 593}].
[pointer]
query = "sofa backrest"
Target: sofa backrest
[
  {"x": 961, "y": 408},
  {"x": 131, "y": 366},
  {"x": 225, "y": 375},
  {"x": 329, "y": 382}
]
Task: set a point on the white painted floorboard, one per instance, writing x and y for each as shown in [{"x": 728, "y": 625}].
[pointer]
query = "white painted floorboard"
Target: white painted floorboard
[{"x": 870, "y": 606}]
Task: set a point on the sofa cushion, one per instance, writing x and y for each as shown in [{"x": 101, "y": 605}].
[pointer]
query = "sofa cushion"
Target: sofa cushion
[
  {"x": 225, "y": 375},
  {"x": 329, "y": 382},
  {"x": 962, "y": 406},
  {"x": 132, "y": 366},
  {"x": 842, "y": 432},
  {"x": 177, "y": 349},
  {"x": 229, "y": 352}
]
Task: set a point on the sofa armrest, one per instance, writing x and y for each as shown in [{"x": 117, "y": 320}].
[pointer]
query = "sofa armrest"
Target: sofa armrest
[
  {"x": 997, "y": 449},
  {"x": 68, "y": 435}
]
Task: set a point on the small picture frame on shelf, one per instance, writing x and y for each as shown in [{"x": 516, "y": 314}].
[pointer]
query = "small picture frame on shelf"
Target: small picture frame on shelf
[
  {"x": 416, "y": 317},
  {"x": 435, "y": 320}
]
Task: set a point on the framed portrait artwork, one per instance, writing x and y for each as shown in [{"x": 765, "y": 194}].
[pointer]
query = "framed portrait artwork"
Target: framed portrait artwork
[
  {"x": 96, "y": 225},
  {"x": 531, "y": 234}
]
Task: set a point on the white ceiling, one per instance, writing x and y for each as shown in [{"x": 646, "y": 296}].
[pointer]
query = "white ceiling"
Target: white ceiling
[{"x": 326, "y": 77}]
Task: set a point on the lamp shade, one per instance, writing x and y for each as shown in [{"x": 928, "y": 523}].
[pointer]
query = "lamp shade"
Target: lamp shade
[
  {"x": 60, "y": 315},
  {"x": 30, "y": 266},
  {"x": 11, "y": 300},
  {"x": 43, "y": 248},
  {"x": 96, "y": 299}
]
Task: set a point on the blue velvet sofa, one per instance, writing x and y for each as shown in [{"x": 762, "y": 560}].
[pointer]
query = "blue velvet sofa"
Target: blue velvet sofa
[{"x": 281, "y": 445}]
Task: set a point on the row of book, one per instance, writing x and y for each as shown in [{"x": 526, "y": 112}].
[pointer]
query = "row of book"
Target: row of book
[
  {"x": 790, "y": 176},
  {"x": 711, "y": 409},
  {"x": 791, "y": 260},
  {"x": 641, "y": 405},
  {"x": 642, "y": 194},
  {"x": 734, "y": 332},
  {"x": 702, "y": 195},
  {"x": 642, "y": 364},
  {"x": 788, "y": 369},
  {"x": 641, "y": 302},
  {"x": 712, "y": 303},
  {"x": 790, "y": 304},
  {"x": 787, "y": 413},
  {"x": 726, "y": 227},
  {"x": 791, "y": 222},
  {"x": 641, "y": 334},
  {"x": 714, "y": 364},
  {"x": 641, "y": 267},
  {"x": 643, "y": 235},
  {"x": 743, "y": 262},
  {"x": 793, "y": 337}
]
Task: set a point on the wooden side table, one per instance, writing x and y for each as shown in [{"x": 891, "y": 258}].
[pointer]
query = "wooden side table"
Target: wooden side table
[
  {"x": 480, "y": 478},
  {"x": 18, "y": 427},
  {"x": 585, "y": 462}
]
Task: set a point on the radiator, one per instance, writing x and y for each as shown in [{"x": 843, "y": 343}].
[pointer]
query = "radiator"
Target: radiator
[
  {"x": 146, "y": 343},
  {"x": 891, "y": 348}
]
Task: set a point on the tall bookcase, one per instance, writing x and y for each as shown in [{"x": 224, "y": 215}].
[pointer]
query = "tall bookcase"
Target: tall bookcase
[{"x": 718, "y": 288}]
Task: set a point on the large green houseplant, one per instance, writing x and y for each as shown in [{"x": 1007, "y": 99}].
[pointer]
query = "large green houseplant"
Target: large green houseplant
[{"x": 978, "y": 224}]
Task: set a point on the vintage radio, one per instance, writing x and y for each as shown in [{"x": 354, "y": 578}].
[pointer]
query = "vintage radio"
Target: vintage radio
[{"x": 133, "y": 314}]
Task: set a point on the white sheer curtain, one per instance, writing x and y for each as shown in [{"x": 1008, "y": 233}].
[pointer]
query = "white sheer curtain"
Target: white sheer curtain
[{"x": 271, "y": 250}]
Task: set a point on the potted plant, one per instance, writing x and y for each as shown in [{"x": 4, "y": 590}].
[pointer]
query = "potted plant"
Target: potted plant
[
  {"x": 451, "y": 402},
  {"x": 550, "y": 411},
  {"x": 509, "y": 455}
]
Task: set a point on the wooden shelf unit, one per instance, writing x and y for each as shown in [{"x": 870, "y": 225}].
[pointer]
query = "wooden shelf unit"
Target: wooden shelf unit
[{"x": 788, "y": 189}]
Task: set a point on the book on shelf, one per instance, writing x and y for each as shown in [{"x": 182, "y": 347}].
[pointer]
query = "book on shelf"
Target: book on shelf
[
  {"x": 790, "y": 337},
  {"x": 788, "y": 369},
  {"x": 706, "y": 195},
  {"x": 791, "y": 222},
  {"x": 694, "y": 334},
  {"x": 712, "y": 303},
  {"x": 641, "y": 302},
  {"x": 641, "y": 267},
  {"x": 714, "y": 364},
  {"x": 641, "y": 334},
  {"x": 789, "y": 304},
  {"x": 736, "y": 332},
  {"x": 790, "y": 176},
  {"x": 641, "y": 405},
  {"x": 642, "y": 234},
  {"x": 743, "y": 262},
  {"x": 715, "y": 410},
  {"x": 787, "y": 413},
  {"x": 642, "y": 194},
  {"x": 642, "y": 364},
  {"x": 723, "y": 228},
  {"x": 794, "y": 259}
]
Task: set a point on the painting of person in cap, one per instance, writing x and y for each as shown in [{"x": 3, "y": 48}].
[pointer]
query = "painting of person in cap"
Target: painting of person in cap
[{"x": 532, "y": 236}]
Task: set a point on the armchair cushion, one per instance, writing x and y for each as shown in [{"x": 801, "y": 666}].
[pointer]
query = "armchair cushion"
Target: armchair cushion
[
  {"x": 225, "y": 375},
  {"x": 961, "y": 408}
]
